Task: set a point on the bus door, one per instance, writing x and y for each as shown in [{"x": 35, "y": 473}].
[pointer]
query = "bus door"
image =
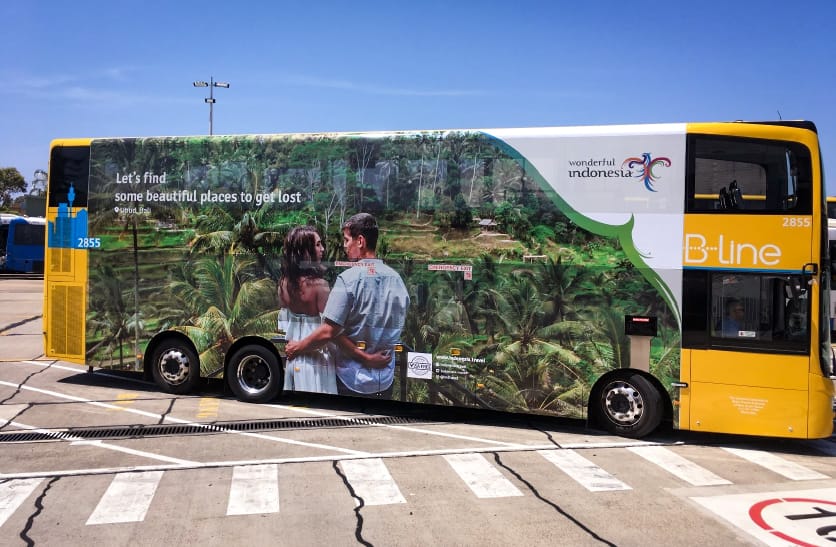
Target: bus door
[{"x": 751, "y": 285}]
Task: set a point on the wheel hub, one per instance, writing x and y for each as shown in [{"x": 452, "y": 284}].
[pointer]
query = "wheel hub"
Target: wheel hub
[
  {"x": 624, "y": 404},
  {"x": 253, "y": 374},
  {"x": 174, "y": 366}
]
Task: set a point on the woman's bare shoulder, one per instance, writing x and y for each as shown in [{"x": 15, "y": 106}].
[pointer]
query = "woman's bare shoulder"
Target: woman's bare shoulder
[
  {"x": 314, "y": 283},
  {"x": 317, "y": 291}
]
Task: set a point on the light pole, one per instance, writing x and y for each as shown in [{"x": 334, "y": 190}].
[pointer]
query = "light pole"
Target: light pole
[{"x": 212, "y": 84}]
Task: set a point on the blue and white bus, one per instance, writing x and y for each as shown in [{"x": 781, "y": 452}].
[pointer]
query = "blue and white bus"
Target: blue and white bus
[{"x": 22, "y": 243}]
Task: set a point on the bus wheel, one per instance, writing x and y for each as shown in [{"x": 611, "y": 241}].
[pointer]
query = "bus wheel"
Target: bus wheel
[
  {"x": 254, "y": 374},
  {"x": 629, "y": 405},
  {"x": 175, "y": 366}
]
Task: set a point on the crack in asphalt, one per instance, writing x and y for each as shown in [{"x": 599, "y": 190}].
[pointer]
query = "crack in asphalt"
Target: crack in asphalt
[
  {"x": 16, "y": 416},
  {"x": 19, "y": 323},
  {"x": 555, "y": 506},
  {"x": 358, "y": 530},
  {"x": 39, "y": 506},
  {"x": 164, "y": 415},
  {"x": 546, "y": 433},
  {"x": 15, "y": 394}
]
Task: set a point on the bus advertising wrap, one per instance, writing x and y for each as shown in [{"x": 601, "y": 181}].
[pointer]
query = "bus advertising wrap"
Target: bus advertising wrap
[{"x": 505, "y": 264}]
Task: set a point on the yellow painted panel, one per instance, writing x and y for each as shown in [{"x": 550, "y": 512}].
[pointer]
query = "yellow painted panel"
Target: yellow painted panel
[
  {"x": 748, "y": 241},
  {"x": 759, "y": 131},
  {"x": 71, "y": 142},
  {"x": 65, "y": 299},
  {"x": 748, "y": 410},
  {"x": 683, "y": 417},
  {"x": 737, "y": 368},
  {"x": 66, "y": 304},
  {"x": 821, "y": 407}
]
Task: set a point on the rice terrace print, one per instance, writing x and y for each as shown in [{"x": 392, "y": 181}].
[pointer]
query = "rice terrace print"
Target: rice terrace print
[{"x": 523, "y": 257}]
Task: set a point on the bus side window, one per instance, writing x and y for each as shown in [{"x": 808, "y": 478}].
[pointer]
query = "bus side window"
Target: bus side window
[
  {"x": 69, "y": 166},
  {"x": 751, "y": 311},
  {"x": 728, "y": 174},
  {"x": 4, "y": 236}
]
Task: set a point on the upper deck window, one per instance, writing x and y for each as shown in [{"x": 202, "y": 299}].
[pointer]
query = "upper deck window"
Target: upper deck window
[
  {"x": 735, "y": 175},
  {"x": 69, "y": 167}
]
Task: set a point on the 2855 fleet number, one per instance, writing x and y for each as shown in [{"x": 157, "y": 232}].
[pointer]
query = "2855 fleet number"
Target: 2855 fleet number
[{"x": 88, "y": 243}]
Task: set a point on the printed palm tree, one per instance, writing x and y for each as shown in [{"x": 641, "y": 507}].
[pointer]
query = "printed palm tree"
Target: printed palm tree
[
  {"x": 475, "y": 294},
  {"x": 219, "y": 232},
  {"x": 430, "y": 314},
  {"x": 528, "y": 382},
  {"x": 226, "y": 300},
  {"x": 126, "y": 155},
  {"x": 603, "y": 342},
  {"x": 565, "y": 288},
  {"x": 109, "y": 317},
  {"x": 529, "y": 362}
]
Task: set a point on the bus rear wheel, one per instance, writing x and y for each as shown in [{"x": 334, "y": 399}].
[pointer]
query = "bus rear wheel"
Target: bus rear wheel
[
  {"x": 629, "y": 405},
  {"x": 254, "y": 374},
  {"x": 175, "y": 366}
]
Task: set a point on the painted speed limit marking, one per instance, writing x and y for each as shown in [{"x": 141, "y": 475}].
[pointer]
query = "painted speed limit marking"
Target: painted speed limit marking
[{"x": 805, "y": 518}]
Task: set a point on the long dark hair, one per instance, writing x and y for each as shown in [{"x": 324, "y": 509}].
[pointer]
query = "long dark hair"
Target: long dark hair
[{"x": 299, "y": 257}]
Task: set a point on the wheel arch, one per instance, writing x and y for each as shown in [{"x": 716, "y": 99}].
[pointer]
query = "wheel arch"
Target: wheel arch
[{"x": 594, "y": 420}]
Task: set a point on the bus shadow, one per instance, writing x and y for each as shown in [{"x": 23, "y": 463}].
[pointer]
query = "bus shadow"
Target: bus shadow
[{"x": 665, "y": 435}]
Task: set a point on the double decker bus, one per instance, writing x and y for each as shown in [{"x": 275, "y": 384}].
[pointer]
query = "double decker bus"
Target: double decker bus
[
  {"x": 627, "y": 275},
  {"x": 22, "y": 241}
]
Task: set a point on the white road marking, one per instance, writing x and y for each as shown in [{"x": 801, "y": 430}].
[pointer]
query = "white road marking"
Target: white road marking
[
  {"x": 372, "y": 482},
  {"x": 410, "y": 429},
  {"x": 586, "y": 473},
  {"x": 158, "y": 417},
  {"x": 485, "y": 480},
  {"x": 279, "y": 461},
  {"x": 678, "y": 466},
  {"x": 7, "y": 412},
  {"x": 13, "y": 494},
  {"x": 127, "y": 499},
  {"x": 254, "y": 490},
  {"x": 780, "y": 519},
  {"x": 777, "y": 464},
  {"x": 78, "y": 441},
  {"x": 134, "y": 452}
]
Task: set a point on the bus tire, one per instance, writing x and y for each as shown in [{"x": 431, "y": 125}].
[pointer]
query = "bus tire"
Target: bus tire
[
  {"x": 629, "y": 405},
  {"x": 175, "y": 366},
  {"x": 254, "y": 374}
]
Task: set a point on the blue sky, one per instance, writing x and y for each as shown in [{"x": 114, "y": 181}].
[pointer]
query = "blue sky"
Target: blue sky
[{"x": 105, "y": 68}]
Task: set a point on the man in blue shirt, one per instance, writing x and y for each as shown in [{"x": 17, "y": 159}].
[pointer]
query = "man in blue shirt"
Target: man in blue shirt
[
  {"x": 368, "y": 304},
  {"x": 733, "y": 321}
]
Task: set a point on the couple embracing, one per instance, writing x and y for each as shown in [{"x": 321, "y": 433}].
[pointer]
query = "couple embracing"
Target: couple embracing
[{"x": 325, "y": 325}]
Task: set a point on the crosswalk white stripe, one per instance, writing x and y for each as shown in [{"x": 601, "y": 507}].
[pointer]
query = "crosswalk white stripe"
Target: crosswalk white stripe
[
  {"x": 254, "y": 490},
  {"x": 13, "y": 493},
  {"x": 586, "y": 473},
  {"x": 678, "y": 466},
  {"x": 127, "y": 498},
  {"x": 481, "y": 476},
  {"x": 777, "y": 464},
  {"x": 371, "y": 481}
]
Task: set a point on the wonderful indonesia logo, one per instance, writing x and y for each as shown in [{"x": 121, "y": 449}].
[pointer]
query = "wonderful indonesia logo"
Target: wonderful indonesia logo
[{"x": 644, "y": 168}]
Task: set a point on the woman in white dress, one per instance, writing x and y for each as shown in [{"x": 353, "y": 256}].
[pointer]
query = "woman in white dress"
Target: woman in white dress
[{"x": 303, "y": 292}]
